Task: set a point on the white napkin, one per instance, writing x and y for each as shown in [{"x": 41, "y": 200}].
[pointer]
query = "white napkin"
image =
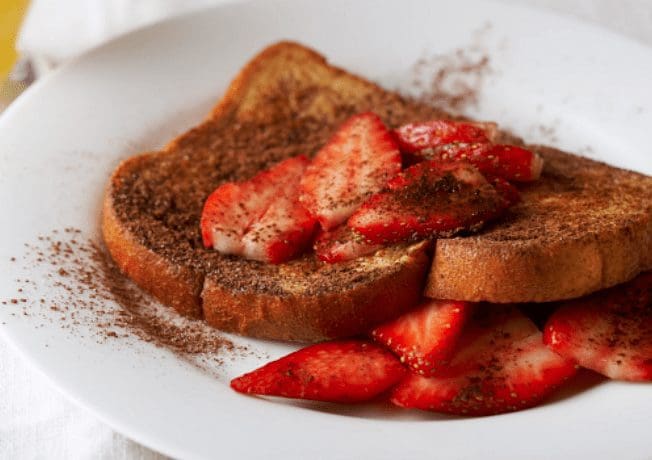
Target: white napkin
[
  {"x": 55, "y": 31},
  {"x": 36, "y": 422}
]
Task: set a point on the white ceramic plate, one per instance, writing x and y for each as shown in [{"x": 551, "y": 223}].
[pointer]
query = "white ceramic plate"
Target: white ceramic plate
[{"x": 59, "y": 142}]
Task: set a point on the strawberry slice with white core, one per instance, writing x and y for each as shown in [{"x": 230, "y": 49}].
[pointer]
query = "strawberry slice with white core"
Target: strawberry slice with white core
[
  {"x": 357, "y": 161},
  {"x": 429, "y": 199},
  {"x": 260, "y": 218},
  {"x": 222, "y": 223},
  {"x": 501, "y": 365},
  {"x": 609, "y": 332},
  {"x": 415, "y": 137},
  {"x": 342, "y": 244},
  {"x": 507, "y": 161},
  {"x": 340, "y": 371},
  {"x": 283, "y": 231},
  {"x": 425, "y": 338}
]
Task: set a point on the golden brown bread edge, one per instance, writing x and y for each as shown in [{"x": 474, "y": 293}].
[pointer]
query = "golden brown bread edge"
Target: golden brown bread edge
[
  {"x": 174, "y": 285},
  {"x": 496, "y": 272},
  {"x": 585, "y": 226},
  {"x": 300, "y": 315},
  {"x": 470, "y": 268}
]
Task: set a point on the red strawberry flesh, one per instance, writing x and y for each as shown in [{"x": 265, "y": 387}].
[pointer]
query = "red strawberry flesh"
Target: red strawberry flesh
[
  {"x": 222, "y": 224},
  {"x": 506, "y": 190},
  {"x": 609, "y": 332},
  {"x": 425, "y": 338},
  {"x": 429, "y": 199},
  {"x": 357, "y": 161},
  {"x": 283, "y": 231},
  {"x": 339, "y": 371},
  {"x": 507, "y": 161},
  {"x": 501, "y": 365},
  {"x": 415, "y": 137},
  {"x": 342, "y": 244},
  {"x": 261, "y": 218}
]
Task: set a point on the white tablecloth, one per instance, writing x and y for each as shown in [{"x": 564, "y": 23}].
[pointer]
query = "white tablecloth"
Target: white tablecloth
[{"x": 35, "y": 420}]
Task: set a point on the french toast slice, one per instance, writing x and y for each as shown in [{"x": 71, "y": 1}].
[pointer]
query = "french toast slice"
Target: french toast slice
[{"x": 288, "y": 101}]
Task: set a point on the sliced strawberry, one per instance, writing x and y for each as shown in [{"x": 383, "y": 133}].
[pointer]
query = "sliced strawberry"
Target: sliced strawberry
[
  {"x": 261, "y": 218},
  {"x": 507, "y": 161},
  {"x": 424, "y": 338},
  {"x": 505, "y": 189},
  {"x": 501, "y": 365},
  {"x": 342, "y": 371},
  {"x": 357, "y": 162},
  {"x": 609, "y": 332},
  {"x": 415, "y": 137},
  {"x": 428, "y": 199},
  {"x": 342, "y": 244},
  {"x": 222, "y": 224},
  {"x": 283, "y": 231}
]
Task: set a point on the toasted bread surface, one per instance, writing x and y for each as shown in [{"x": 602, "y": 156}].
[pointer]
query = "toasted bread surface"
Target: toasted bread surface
[{"x": 288, "y": 101}]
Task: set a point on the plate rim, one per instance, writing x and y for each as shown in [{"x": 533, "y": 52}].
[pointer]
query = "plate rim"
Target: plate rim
[{"x": 33, "y": 91}]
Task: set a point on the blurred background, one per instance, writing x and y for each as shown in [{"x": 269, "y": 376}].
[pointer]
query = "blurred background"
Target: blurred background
[
  {"x": 39, "y": 35},
  {"x": 11, "y": 15}
]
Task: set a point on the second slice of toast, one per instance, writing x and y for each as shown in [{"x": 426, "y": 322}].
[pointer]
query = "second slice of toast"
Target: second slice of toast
[{"x": 584, "y": 226}]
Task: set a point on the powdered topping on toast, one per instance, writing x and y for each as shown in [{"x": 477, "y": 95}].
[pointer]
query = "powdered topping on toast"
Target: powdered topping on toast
[
  {"x": 430, "y": 199},
  {"x": 357, "y": 161}
]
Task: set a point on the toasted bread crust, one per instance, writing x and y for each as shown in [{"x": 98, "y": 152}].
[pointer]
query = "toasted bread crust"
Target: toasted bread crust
[
  {"x": 303, "y": 316},
  {"x": 500, "y": 273},
  {"x": 174, "y": 285},
  {"x": 584, "y": 227},
  {"x": 493, "y": 266}
]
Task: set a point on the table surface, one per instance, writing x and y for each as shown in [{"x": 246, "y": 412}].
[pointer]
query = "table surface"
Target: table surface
[{"x": 35, "y": 419}]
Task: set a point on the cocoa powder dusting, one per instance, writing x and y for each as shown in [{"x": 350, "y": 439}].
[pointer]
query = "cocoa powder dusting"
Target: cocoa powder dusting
[
  {"x": 452, "y": 81},
  {"x": 85, "y": 290}
]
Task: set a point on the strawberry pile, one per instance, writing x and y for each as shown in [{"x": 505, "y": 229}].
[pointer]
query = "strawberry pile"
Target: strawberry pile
[
  {"x": 353, "y": 197},
  {"x": 472, "y": 359}
]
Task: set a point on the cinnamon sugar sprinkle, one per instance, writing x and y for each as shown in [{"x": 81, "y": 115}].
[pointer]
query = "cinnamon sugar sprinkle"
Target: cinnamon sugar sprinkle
[
  {"x": 452, "y": 81},
  {"x": 82, "y": 290}
]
